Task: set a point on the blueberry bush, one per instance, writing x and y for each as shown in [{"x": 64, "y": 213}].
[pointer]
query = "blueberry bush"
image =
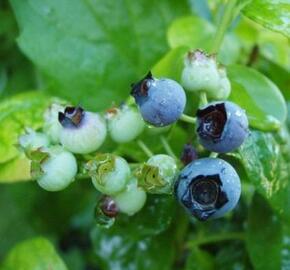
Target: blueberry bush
[{"x": 144, "y": 134}]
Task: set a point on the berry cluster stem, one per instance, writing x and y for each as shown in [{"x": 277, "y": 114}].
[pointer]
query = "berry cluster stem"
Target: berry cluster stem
[
  {"x": 216, "y": 238},
  {"x": 145, "y": 148},
  {"x": 188, "y": 119},
  {"x": 223, "y": 24},
  {"x": 167, "y": 147},
  {"x": 203, "y": 98}
]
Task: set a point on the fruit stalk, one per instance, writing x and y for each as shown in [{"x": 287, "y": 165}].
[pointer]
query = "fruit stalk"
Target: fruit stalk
[{"x": 222, "y": 27}]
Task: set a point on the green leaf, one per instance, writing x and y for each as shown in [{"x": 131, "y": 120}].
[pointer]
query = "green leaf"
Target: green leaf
[
  {"x": 34, "y": 254},
  {"x": 199, "y": 260},
  {"x": 267, "y": 169},
  {"x": 93, "y": 59},
  {"x": 138, "y": 242},
  {"x": 196, "y": 33},
  {"x": 17, "y": 113},
  {"x": 17, "y": 169},
  {"x": 171, "y": 64},
  {"x": 260, "y": 97},
  {"x": 274, "y": 15},
  {"x": 264, "y": 235}
]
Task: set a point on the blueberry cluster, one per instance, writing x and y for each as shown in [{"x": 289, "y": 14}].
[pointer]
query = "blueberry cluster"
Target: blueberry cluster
[{"x": 70, "y": 145}]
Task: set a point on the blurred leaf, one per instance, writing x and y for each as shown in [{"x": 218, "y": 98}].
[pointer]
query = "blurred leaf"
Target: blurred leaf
[
  {"x": 267, "y": 169},
  {"x": 276, "y": 73},
  {"x": 259, "y": 96},
  {"x": 199, "y": 260},
  {"x": 264, "y": 236},
  {"x": 17, "y": 113},
  {"x": 138, "y": 242},
  {"x": 34, "y": 254},
  {"x": 94, "y": 59},
  {"x": 274, "y": 15},
  {"x": 196, "y": 33},
  {"x": 17, "y": 169},
  {"x": 171, "y": 64},
  {"x": 201, "y": 8}
]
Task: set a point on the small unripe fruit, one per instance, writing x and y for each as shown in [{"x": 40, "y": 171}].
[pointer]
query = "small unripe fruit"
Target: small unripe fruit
[
  {"x": 157, "y": 175},
  {"x": 82, "y": 132},
  {"x": 202, "y": 73},
  {"x": 132, "y": 199},
  {"x": 58, "y": 169},
  {"x": 52, "y": 126},
  {"x": 110, "y": 174},
  {"x": 124, "y": 123},
  {"x": 33, "y": 140}
]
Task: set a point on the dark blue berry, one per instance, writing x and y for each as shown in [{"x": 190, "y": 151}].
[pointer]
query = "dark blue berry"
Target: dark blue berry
[
  {"x": 222, "y": 126},
  {"x": 208, "y": 188},
  {"x": 161, "y": 101}
]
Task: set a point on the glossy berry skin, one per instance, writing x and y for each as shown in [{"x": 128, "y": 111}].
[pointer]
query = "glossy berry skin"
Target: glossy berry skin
[
  {"x": 82, "y": 132},
  {"x": 124, "y": 124},
  {"x": 132, "y": 199},
  {"x": 222, "y": 126},
  {"x": 161, "y": 101},
  {"x": 208, "y": 188},
  {"x": 59, "y": 169}
]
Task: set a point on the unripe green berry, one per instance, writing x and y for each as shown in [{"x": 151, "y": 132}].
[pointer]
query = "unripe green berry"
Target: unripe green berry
[
  {"x": 82, "y": 132},
  {"x": 33, "y": 140},
  {"x": 157, "y": 175},
  {"x": 52, "y": 127},
  {"x": 58, "y": 169},
  {"x": 202, "y": 73},
  {"x": 110, "y": 174},
  {"x": 132, "y": 199},
  {"x": 124, "y": 124}
]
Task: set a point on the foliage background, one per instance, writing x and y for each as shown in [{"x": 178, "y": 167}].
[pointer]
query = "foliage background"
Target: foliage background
[{"x": 89, "y": 52}]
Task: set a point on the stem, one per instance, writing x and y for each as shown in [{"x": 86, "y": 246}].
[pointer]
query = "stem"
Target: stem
[
  {"x": 203, "y": 98},
  {"x": 188, "y": 119},
  {"x": 167, "y": 147},
  {"x": 145, "y": 148},
  {"x": 223, "y": 24},
  {"x": 217, "y": 238},
  {"x": 213, "y": 155}
]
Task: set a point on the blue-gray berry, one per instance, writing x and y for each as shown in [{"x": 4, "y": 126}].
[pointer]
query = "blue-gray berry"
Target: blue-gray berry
[
  {"x": 222, "y": 126},
  {"x": 208, "y": 188},
  {"x": 161, "y": 101}
]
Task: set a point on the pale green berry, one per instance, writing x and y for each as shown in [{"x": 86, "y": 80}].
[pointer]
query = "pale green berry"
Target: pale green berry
[
  {"x": 82, "y": 132},
  {"x": 33, "y": 140},
  {"x": 52, "y": 127},
  {"x": 225, "y": 86},
  {"x": 157, "y": 175},
  {"x": 132, "y": 199},
  {"x": 110, "y": 174},
  {"x": 124, "y": 123},
  {"x": 200, "y": 72},
  {"x": 58, "y": 169}
]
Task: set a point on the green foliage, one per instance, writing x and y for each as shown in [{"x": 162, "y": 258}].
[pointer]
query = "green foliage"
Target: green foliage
[
  {"x": 107, "y": 55},
  {"x": 36, "y": 254},
  {"x": 274, "y": 15},
  {"x": 89, "y": 52},
  {"x": 261, "y": 98}
]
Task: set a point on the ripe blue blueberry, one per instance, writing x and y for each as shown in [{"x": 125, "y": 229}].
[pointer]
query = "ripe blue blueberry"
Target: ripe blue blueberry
[
  {"x": 222, "y": 126},
  {"x": 82, "y": 132},
  {"x": 208, "y": 188},
  {"x": 161, "y": 101}
]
